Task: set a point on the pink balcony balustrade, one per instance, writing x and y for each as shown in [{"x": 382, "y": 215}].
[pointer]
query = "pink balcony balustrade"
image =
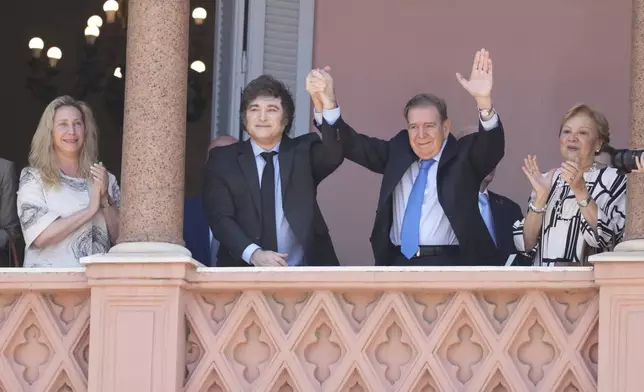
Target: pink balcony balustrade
[
  {"x": 44, "y": 330},
  {"x": 163, "y": 324},
  {"x": 394, "y": 331}
]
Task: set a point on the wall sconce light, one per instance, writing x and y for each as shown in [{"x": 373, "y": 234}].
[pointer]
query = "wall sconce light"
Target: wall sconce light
[
  {"x": 199, "y": 15},
  {"x": 91, "y": 33},
  {"x": 95, "y": 20},
  {"x": 54, "y": 54},
  {"x": 198, "y": 66},
  {"x": 110, "y": 7},
  {"x": 36, "y": 45}
]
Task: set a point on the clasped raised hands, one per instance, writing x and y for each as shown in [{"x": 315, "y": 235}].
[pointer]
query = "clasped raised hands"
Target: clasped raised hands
[{"x": 319, "y": 85}]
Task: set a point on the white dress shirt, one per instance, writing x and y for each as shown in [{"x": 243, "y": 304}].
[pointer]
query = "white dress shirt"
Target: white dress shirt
[{"x": 286, "y": 240}]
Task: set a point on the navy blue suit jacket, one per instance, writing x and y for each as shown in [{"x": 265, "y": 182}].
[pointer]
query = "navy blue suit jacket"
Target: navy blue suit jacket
[
  {"x": 196, "y": 231},
  {"x": 505, "y": 212}
]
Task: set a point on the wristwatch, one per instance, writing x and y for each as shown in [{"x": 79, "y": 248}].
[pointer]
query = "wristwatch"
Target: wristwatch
[
  {"x": 584, "y": 202},
  {"x": 486, "y": 113}
]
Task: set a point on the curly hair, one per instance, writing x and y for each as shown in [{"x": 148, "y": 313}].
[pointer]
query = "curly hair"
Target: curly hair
[
  {"x": 42, "y": 156},
  {"x": 268, "y": 86}
]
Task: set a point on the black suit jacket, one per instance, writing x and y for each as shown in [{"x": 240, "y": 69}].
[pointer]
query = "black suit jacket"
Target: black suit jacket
[
  {"x": 505, "y": 212},
  {"x": 9, "y": 223},
  {"x": 232, "y": 199},
  {"x": 463, "y": 165}
]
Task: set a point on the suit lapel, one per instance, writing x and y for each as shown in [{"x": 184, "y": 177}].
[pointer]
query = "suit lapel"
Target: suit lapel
[
  {"x": 286, "y": 156},
  {"x": 248, "y": 166},
  {"x": 496, "y": 208},
  {"x": 449, "y": 152},
  {"x": 401, "y": 157}
]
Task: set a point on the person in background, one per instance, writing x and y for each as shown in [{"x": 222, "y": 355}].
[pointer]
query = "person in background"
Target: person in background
[
  {"x": 579, "y": 208},
  {"x": 68, "y": 203},
  {"x": 9, "y": 224},
  {"x": 499, "y": 214},
  {"x": 196, "y": 232}
]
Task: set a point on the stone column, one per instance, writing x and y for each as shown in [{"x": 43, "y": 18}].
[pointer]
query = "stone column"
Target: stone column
[
  {"x": 635, "y": 204},
  {"x": 137, "y": 329},
  {"x": 620, "y": 277},
  {"x": 154, "y": 126}
]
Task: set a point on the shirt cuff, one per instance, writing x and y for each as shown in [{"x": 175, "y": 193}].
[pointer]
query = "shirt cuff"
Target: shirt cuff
[
  {"x": 491, "y": 123},
  {"x": 331, "y": 116},
  {"x": 248, "y": 252}
]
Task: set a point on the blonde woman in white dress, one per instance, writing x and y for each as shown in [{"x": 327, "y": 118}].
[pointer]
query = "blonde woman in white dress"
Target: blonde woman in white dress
[
  {"x": 579, "y": 208},
  {"x": 68, "y": 203}
]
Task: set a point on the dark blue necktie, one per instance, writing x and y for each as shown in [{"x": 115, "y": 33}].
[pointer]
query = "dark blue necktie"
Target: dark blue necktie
[
  {"x": 267, "y": 190},
  {"x": 411, "y": 222}
]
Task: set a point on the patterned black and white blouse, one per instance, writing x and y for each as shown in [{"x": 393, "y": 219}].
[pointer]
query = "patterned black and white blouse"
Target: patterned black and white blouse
[
  {"x": 38, "y": 207},
  {"x": 566, "y": 233}
]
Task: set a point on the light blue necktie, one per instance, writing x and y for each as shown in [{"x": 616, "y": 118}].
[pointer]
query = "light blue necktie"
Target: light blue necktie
[
  {"x": 214, "y": 247},
  {"x": 486, "y": 213},
  {"x": 411, "y": 221}
]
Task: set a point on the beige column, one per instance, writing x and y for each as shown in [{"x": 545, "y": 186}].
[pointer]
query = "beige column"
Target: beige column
[
  {"x": 137, "y": 329},
  {"x": 154, "y": 126},
  {"x": 635, "y": 205}
]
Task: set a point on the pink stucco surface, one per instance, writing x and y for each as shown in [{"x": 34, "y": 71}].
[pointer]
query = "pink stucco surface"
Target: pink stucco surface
[{"x": 548, "y": 55}]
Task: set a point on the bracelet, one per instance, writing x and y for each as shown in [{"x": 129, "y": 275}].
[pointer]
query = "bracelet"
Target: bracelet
[{"x": 534, "y": 209}]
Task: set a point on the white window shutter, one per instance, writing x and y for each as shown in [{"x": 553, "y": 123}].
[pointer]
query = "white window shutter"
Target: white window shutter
[
  {"x": 283, "y": 48},
  {"x": 229, "y": 78}
]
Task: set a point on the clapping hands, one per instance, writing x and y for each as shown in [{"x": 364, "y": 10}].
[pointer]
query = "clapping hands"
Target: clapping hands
[
  {"x": 573, "y": 176},
  {"x": 540, "y": 184},
  {"x": 99, "y": 182}
]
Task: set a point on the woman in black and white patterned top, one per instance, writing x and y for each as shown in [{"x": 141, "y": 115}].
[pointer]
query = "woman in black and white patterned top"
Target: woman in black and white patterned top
[{"x": 578, "y": 209}]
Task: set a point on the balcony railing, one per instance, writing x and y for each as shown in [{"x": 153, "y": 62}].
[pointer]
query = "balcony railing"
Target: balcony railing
[{"x": 163, "y": 324}]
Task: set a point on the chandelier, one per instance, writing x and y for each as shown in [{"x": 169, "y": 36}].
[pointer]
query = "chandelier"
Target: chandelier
[{"x": 100, "y": 63}]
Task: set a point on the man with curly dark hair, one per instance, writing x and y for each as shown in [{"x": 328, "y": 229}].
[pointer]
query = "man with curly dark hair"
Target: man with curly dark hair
[{"x": 260, "y": 195}]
